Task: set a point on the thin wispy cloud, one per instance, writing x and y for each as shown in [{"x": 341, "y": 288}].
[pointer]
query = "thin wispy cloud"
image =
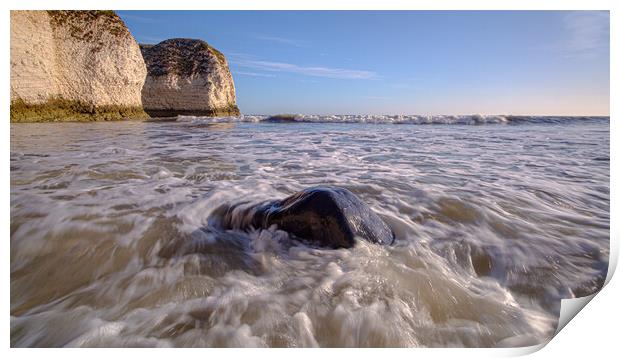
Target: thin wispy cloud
[
  {"x": 254, "y": 74},
  {"x": 237, "y": 54},
  {"x": 588, "y": 33},
  {"x": 281, "y": 40},
  {"x": 313, "y": 71}
]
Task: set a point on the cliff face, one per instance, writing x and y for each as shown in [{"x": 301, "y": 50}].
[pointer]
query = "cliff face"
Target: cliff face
[
  {"x": 187, "y": 77},
  {"x": 74, "y": 65}
]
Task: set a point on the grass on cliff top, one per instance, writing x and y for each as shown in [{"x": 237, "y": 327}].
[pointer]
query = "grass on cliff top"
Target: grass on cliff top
[
  {"x": 60, "y": 16},
  {"x": 220, "y": 56},
  {"x": 62, "y": 110},
  {"x": 79, "y": 22}
]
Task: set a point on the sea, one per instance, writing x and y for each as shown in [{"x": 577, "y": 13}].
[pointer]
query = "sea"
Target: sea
[{"x": 496, "y": 219}]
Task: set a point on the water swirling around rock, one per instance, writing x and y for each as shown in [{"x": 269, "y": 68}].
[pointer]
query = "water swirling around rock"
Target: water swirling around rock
[
  {"x": 110, "y": 235},
  {"x": 322, "y": 215}
]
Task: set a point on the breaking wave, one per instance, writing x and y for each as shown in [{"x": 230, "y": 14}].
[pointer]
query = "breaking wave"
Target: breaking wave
[{"x": 474, "y": 119}]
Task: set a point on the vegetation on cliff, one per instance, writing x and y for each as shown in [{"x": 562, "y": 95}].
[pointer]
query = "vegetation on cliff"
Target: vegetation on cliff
[
  {"x": 76, "y": 21},
  {"x": 58, "y": 109},
  {"x": 181, "y": 57}
]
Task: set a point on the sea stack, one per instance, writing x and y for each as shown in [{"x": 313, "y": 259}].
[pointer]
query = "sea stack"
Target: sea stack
[
  {"x": 74, "y": 65},
  {"x": 187, "y": 77}
]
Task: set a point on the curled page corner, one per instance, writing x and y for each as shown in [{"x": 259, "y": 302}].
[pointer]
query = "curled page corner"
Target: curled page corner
[
  {"x": 569, "y": 308},
  {"x": 613, "y": 257},
  {"x": 523, "y": 351}
]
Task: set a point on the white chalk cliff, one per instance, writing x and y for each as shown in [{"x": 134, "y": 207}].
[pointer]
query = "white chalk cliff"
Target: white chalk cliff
[
  {"x": 74, "y": 65},
  {"x": 187, "y": 77}
]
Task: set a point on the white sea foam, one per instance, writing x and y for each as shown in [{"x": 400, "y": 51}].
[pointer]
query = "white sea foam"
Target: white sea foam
[
  {"x": 474, "y": 119},
  {"x": 110, "y": 235}
]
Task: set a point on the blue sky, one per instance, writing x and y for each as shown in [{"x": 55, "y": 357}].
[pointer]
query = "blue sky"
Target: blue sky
[{"x": 402, "y": 62}]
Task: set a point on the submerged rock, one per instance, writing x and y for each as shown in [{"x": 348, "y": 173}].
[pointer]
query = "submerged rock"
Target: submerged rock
[
  {"x": 324, "y": 215},
  {"x": 281, "y": 118},
  {"x": 187, "y": 77},
  {"x": 74, "y": 65}
]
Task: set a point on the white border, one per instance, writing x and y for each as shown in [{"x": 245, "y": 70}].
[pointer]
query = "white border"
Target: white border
[
  {"x": 592, "y": 333},
  {"x": 317, "y": 5}
]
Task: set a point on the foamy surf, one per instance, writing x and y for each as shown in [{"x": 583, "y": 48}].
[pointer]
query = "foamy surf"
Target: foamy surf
[
  {"x": 474, "y": 119},
  {"x": 110, "y": 236}
]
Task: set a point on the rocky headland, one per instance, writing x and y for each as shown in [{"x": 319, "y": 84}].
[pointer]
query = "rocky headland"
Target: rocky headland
[
  {"x": 86, "y": 66},
  {"x": 187, "y": 77},
  {"x": 74, "y": 65}
]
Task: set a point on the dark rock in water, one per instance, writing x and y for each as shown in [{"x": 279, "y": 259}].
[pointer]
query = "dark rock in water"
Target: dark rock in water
[
  {"x": 281, "y": 118},
  {"x": 327, "y": 216}
]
